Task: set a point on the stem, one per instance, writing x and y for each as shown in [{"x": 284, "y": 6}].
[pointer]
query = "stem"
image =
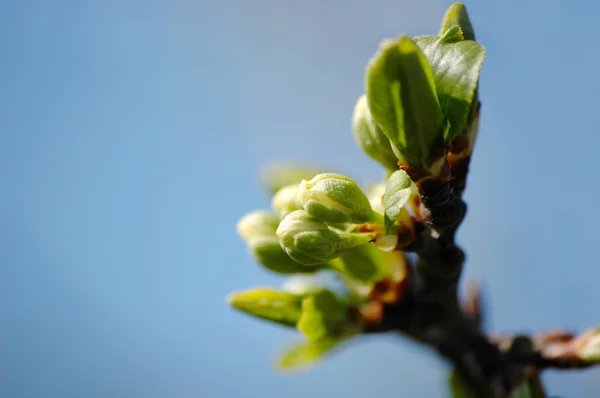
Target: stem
[{"x": 430, "y": 312}]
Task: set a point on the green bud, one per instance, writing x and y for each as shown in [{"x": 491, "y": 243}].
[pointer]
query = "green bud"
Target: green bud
[
  {"x": 285, "y": 200},
  {"x": 310, "y": 241},
  {"x": 457, "y": 15},
  {"x": 323, "y": 315},
  {"x": 371, "y": 137},
  {"x": 267, "y": 251},
  {"x": 257, "y": 223},
  {"x": 258, "y": 231},
  {"x": 271, "y": 305},
  {"x": 333, "y": 198}
]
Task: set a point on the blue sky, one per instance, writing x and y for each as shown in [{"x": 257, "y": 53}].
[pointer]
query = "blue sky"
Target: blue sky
[{"x": 132, "y": 134}]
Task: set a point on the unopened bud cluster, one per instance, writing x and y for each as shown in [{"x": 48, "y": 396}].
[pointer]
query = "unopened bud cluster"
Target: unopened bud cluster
[
  {"x": 314, "y": 224},
  {"x": 420, "y": 95}
]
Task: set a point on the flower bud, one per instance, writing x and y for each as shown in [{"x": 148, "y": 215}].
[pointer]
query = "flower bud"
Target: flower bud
[
  {"x": 333, "y": 198},
  {"x": 285, "y": 200},
  {"x": 258, "y": 231},
  {"x": 257, "y": 223},
  {"x": 310, "y": 241},
  {"x": 371, "y": 137},
  {"x": 266, "y": 250}
]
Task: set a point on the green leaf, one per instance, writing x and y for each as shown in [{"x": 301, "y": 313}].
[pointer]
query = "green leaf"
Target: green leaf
[
  {"x": 456, "y": 66},
  {"x": 402, "y": 99},
  {"x": 306, "y": 354},
  {"x": 397, "y": 194},
  {"x": 457, "y": 15},
  {"x": 371, "y": 137},
  {"x": 453, "y": 35},
  {"x": 323, "y": 315},
  {"x": 360, "y": 263},
  {"x": 275, "y": 306}
]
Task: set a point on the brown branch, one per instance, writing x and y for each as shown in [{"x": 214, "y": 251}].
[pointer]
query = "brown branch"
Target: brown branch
[
  {"x": 428, "y": 309},
  {"x": 552, "y": 349},
  {"x": 430, "y": 312}
]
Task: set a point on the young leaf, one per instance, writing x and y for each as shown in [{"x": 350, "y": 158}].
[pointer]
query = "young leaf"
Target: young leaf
[
  {"x": 371, "y": 137},
  {"x": 397, "y": 193},
  {"x": 271, "y": 305},
  {"x": 457, "y": 15},
  {"x": 323, "y": 315},
  {"x": 402, "y": 99},
  {"x": 306, "y": 354},
  {"x": 456, "y": 66},
  {"x": 360, "y": 263},
  {"x": 453, "y": 34}
]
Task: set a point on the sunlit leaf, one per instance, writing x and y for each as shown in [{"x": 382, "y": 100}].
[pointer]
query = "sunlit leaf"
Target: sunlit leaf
[
  {"x": 323, "y": 315},
  {"x": 272, "y": 305},
  {"x": 456, "y": 66},
  {"x": 306, "y": 354},
  {"x": 397, "y": 194},
  {"x": 402, "y": 99}
]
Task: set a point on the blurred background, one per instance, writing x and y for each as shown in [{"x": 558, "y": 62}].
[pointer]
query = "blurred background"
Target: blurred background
[{"x": 131, "y": 137}]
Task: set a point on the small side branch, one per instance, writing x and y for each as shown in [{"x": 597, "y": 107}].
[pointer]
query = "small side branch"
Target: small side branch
[{"x": 554, "y": 349}]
